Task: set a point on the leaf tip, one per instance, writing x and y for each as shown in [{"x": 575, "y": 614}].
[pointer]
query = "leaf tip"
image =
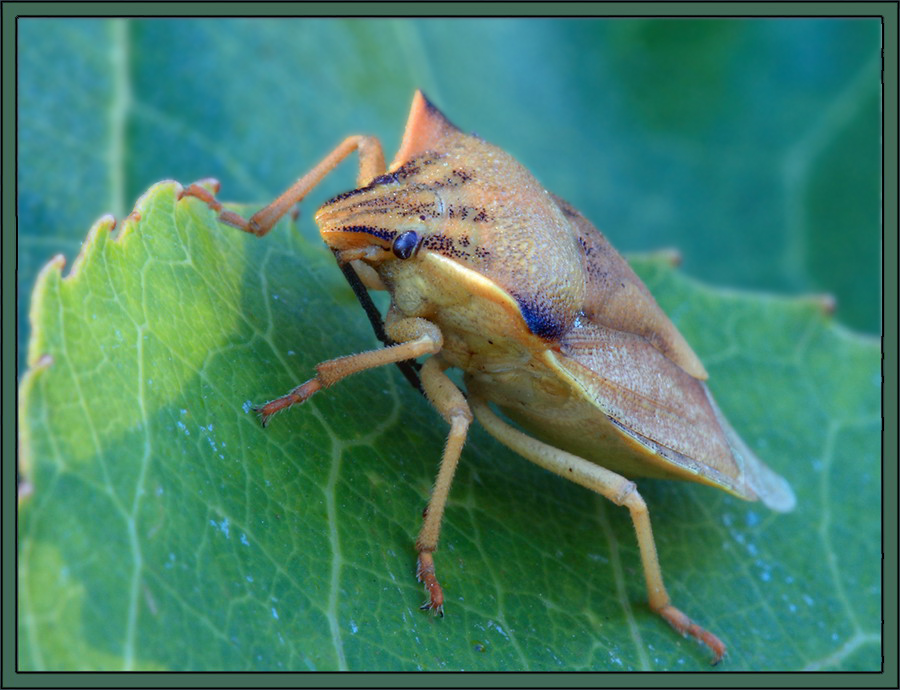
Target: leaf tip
[
  {"x": 92, "y": 243},
  {"x": 46, "y": 282},
  {"x": 35, "y": 368}
]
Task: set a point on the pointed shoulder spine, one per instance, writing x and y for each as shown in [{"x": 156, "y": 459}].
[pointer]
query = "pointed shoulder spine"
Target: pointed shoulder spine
[{"x": 426, "y": 128}]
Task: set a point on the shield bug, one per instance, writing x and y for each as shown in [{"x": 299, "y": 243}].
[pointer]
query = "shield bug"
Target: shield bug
[{"x": 491, "y": 274}]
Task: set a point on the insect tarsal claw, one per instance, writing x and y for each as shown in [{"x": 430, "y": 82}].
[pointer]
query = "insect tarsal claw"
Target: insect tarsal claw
[
  {"x": 429, "y": 605},
  {"x": 263, "y": 417},
  {"x": 198, "y": 191},
  {"x": 687, "y": 627}
]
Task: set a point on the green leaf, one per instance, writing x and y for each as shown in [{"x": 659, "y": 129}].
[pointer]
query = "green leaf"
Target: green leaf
[
  {"x": 751, "y": 146},
  {"x": 165, "y": 529}
]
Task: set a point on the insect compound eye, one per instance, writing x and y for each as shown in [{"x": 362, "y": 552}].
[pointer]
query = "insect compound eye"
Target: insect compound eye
[{"x": 405, "y": 244}]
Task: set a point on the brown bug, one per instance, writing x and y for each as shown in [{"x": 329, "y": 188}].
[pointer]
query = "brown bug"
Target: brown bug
[{"x": 490, "y": 273}]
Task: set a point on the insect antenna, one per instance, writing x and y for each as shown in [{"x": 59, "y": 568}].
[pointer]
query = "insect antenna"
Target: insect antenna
[{"x": 410, "y": 367}]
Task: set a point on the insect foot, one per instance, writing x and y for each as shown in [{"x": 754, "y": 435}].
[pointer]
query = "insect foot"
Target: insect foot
[
  {"x": 300, "y": 394},
  {"x": 686, "y": 626},
  {"x": 425, "y": 574},
  {"x": 205, "y": 190}
]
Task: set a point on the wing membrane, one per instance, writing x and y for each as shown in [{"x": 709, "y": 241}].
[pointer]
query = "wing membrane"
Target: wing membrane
[
  {"x": 616, "y": 298},
  {"x": 652, "y": 398}
]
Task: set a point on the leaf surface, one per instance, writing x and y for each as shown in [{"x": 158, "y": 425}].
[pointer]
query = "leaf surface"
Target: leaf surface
[{"x": 166, "y": 530}]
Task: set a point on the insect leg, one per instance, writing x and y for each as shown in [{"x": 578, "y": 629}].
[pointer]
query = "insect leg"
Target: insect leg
[
  {"x": 371, "y": 164},
  {"x": 617, "y": 489},
  {"x": 415, "y": 337},
  {"x": 368, "y": 276},
  {"x": 360, "y": 276},
  {"x": 452, "y": 406}
]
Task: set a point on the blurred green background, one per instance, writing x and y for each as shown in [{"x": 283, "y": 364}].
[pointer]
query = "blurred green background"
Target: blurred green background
[{"x": 752, "y": 146}]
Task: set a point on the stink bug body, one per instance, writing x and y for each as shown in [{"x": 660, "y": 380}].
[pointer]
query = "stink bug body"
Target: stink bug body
[{"x": 490, "y": 273}]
